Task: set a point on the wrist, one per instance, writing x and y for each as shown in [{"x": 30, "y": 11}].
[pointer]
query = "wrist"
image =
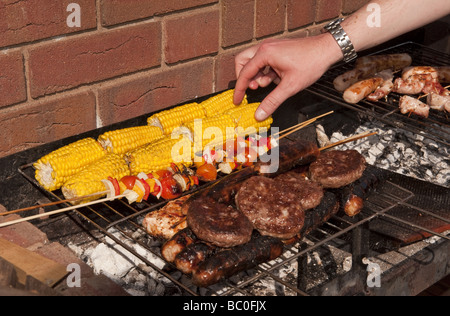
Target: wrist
[{"x": 331, "y": 48}]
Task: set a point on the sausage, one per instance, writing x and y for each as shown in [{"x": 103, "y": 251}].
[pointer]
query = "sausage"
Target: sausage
[
  {"x": 177, "y": 243},
  {"x": 228, "y": 262},
  {"x": 320, "y": 214},
  {"x": 368, "y": 66},
  {"x": 350, "y": 77},
  {"x": 290, "y": 154},
  {"x": 188, "y": 260},
  {"x": 352, "y": 196},
  {"x": 382, "y": 62},
  {"x": 362, "y": 89},
  {"x": 409, "y": 104}
]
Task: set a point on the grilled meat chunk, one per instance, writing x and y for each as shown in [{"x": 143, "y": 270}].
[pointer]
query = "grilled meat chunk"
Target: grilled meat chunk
[
  {"x": 335, "y": 168},
  {"x": 272, "y": 207},
  {"x": 220, "y": 224},
  {"x": 167, "y": 221}
]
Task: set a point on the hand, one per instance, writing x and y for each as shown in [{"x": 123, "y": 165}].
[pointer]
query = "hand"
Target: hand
[{"x": 294, "y": 64}]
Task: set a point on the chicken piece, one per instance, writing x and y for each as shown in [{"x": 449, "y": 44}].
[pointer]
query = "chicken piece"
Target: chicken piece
[
  {"x": 167, "y": 221},
  {"x": 412, "y": 105}
]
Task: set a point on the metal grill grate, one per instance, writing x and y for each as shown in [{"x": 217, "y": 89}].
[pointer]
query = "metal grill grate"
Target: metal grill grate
[
  {"x": 339, "y": 231},
  {"x": 436, "y": 127}
]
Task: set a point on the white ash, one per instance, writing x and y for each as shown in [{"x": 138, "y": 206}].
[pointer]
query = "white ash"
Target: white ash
[
  {"x": 121, "y": 266},
  {"x": 399, "y": 151}
]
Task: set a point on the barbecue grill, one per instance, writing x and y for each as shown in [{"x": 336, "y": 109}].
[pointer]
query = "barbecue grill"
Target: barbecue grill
[{"x": 400, "y": 213}]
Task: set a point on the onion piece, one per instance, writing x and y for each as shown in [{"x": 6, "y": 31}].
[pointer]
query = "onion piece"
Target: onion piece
[
  {"x": 110, "y": 188},
  {"x": 225, "y": 167},
  {"x": 158, "y": 183},
  {"x": 131, "y": 196},
  {"x": 142, "y": 175},
  {"x": 179, "y": 178}
]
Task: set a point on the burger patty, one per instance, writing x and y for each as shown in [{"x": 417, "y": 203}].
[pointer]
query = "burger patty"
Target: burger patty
[
  {"x": 220, "y": 224},
  {"x": 274, "y": 206},
  {"x": 335, "y": 168},
  {"x": 308, "y": 192}
]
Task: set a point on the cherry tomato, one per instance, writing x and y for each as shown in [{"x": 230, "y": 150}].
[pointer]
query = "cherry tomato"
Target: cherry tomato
[
  {"x": 170, "y": 188},
  {"x": 129, "y": 181},
  {"x": 163, "y": 174},
  {"x": 207, "y": 172}
]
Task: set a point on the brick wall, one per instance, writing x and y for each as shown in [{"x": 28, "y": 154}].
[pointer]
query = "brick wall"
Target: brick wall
[{"x": 67, "y": 67}]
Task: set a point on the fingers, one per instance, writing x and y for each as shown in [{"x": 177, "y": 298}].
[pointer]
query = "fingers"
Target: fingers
[
  {"x": 248, "y": 77},
  {"x": 280, "y": 94}
]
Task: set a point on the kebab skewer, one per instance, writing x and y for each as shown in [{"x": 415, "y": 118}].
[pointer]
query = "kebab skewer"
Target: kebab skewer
[{"x": 133, "y": 188}]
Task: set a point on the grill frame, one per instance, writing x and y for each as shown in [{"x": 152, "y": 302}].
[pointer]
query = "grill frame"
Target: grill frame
[{"x": 119, "y": 216}]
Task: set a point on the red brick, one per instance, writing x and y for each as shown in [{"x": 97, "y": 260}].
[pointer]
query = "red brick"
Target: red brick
[
  {"x": 12, "y": 79},
  {"x": 119, "y": 11},
  {"x": 327, "y": 10},
  {"x": 350, "y": 6},
  {"x": 155, "y": 90},
  {"x": 40, "y": 122},
  {"x": 73, "y": 62},
  {"x": 191, "y": 36},
  {"x": 27, "y": 21},
  {"x": 270, "y": 17},
  {"x": 225, "y": 70},
  {"x": 23, "y": 234},
  {"x": 237, "y": 21},
  {"x": 300, "y": 13}
]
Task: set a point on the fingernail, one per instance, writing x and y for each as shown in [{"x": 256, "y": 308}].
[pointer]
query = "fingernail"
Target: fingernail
[{"x": 260, "y": 115}]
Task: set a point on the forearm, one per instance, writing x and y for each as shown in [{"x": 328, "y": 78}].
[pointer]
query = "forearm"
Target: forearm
[{"x": 383, "y": 20}]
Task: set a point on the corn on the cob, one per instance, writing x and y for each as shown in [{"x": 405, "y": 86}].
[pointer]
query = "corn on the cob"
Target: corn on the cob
[
  {"x": 124, "y": 140},
  {"x": 211, "y": 131},
  {"x": 53, "y": 169},
  {"x": 89, "y": 180},
  {"x": 160, "y": 154},
  {"x": 244, "y": 118},
  {"x": 220, "y": 103},
  {"x": 168, "y": 120}
]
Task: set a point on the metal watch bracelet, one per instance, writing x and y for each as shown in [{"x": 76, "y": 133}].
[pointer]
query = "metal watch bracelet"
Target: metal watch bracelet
[{"x": 341, "y": 37}]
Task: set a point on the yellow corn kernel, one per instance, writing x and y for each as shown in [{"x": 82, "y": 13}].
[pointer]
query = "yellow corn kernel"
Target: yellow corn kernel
[
  {"x": 244, "y": 118},
  {"x": 168, "y": 120},
  {"x": 210, "y": 131},
  {"x": 159, "y": 155},
  {"x": 53, "y": 169},
  {"x": 124, "y": 140},
  {"x": 220, "y": 103},
  {"x": 89, "y": 180}
]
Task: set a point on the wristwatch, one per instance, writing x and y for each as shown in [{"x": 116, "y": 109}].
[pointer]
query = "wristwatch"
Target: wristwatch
[{"x": 342, "y": 39}]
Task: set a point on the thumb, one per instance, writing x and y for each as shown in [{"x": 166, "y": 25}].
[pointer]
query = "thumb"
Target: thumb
[{"x": 272, "y": 101}]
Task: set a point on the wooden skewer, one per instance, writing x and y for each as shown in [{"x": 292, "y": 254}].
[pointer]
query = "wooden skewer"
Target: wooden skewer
[
  {"x": 350, "y": 139},
  {"x": 70, "y": 208},
  {"x": 53, "y": 203},
  {"x": 299, "y": 126}
]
